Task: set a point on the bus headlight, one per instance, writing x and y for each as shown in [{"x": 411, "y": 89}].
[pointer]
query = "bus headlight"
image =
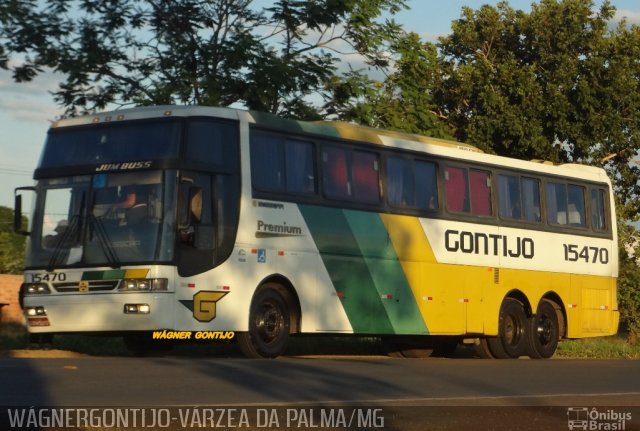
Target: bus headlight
[
  {"x": 137, "y": 309},
  {"x": 143, "y": 285},
  {"x": 35, "y": 311},
  {"x": 35, "y": 288}
]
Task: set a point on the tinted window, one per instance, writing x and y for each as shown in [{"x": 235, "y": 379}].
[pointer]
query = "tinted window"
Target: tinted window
[
  {"x": 211, "y": 142},
  {"x": 468, "y": 190},
  {"x": 411, "y": 184},
  {"x": 365, "y": 177},
  {"x": 280, "y": 165},
  {"x": 267, "y": 162},
  {"x": 598, "y": 215},
  {"x": 350, "y": 175},
  {"x": 480, "y": 192},
  {"x": 300, "y": 175},
  {"x": 519, "y": 198},
  {"x": 111, "y": 143},
  {"x": 457, "y": 189},
  {"x": 426, "y": 185},
  {"x": 400, "y": 182},
  {"x": 576, "y": 208},
  {"x": 565, "y": 204},
  {"x": 531, "y": 199},
  {"x": 509, "y": 196},
  {"x": 335, "y": 173}
]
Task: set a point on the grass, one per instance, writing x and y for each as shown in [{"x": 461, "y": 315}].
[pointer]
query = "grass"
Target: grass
[
  {"x": 615, "y": 347},
  {"x": 13, "y": 336}
]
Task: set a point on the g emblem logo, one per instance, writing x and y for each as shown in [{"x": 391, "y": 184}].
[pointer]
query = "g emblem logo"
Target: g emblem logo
[
  {"x": 204, "y": 305},
  {"x": 83, "y": 286}
]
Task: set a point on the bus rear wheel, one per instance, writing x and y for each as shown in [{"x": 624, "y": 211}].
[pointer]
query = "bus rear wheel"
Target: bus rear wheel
[
  {"x": 401, "y": 347},
  {"x": 269, "y": 323},
  {"x": 544, "y": 331},
  {"x": 511, "y": 341}
]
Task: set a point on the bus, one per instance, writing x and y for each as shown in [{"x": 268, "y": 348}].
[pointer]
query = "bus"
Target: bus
[{"x": 190, "y": 218}]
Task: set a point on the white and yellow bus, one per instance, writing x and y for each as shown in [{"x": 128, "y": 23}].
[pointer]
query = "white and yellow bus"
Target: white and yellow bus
[{"x": 214, "y": 219}]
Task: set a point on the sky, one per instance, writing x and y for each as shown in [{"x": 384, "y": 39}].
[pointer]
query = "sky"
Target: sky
[{"x": 26, "y": 110}]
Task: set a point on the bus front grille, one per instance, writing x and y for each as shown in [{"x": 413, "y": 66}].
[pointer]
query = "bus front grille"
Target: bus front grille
[{"x": 94, "y": 286}]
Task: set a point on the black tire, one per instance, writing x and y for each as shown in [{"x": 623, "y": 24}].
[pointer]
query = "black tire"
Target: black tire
[
  {"x": 544, "y": 331},
  {"x": 513, "y": 327},
  {"x": 482, "y": 350},
  {"x": 269, "y": 324}
]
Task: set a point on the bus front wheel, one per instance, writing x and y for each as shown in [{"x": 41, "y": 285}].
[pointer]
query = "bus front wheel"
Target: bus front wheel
[
  {"x": 544, "y": 331},
  {"x": 269, "y": 323},
  {"x": 511, "y": 341}
]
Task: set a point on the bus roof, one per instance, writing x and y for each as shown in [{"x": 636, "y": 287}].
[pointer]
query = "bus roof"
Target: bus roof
[{"x": 343, "y": 130}]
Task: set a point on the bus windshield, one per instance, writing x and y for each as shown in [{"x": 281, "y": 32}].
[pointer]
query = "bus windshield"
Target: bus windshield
[
  {"x": 106, "y": 219},
  {"x": 110, "y": 143}
]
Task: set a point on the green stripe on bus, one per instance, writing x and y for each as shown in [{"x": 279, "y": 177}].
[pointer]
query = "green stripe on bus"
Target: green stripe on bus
[
  {"x": 386, "y": 271},
  {"x": 348, "y": 269},
  {"x": 113, "y": 274}
]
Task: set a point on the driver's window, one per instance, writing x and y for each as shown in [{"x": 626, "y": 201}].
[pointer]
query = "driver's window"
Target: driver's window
[
  {"x": 56, "y": 221},
  {"x": 196, "y": 230}
]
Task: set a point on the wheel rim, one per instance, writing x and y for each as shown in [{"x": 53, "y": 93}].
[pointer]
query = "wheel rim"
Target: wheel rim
[
  {"x": 270, "y": 323},
  {"x": 512, "y": 330},
  {"x": 544, "y": 330}
]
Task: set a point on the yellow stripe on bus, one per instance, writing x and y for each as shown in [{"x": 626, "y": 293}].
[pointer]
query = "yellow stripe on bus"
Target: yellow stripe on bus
[{"x": 136, "y": 273}]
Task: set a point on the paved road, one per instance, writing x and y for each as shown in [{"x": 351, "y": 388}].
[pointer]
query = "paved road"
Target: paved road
[{"x": 533, "y": 386}]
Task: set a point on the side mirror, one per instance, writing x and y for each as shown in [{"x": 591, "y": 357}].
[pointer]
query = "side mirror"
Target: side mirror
[
  {"x": 195, "y": 203},
  {"x": 190, "y": 210},
  {"x": 17, "y": 211}
]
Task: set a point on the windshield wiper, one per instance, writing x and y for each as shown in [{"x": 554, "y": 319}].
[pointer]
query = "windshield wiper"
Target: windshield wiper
[
  {"x": 105, "y": 242},
  {"x": 64, "y": 242}
]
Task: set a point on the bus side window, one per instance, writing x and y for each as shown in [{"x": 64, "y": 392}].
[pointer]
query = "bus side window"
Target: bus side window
[
  {"x": 300, "y": 175},
  {"x": 556, "y": 203},
  {"x": 598, "y": 219},
  {"x": 365, "y": 177},
  {"x": 457, "y": 189},
  {"x": 531, "y": 199},
  {"x": 412, "y": 183},
  {"x": 509, "y": 193},
  {"x": 267, "y": 162},
  {"x": 399, "y": 182},
  {"x": 480, "y": 192},
  {"x": 335, "y": 177},
  {"x": 426, "y": 185},
  {"x": 576, "y": 206},
  {"x": 566, "y": 204}
]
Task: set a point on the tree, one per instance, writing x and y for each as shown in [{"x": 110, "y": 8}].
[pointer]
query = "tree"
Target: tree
[
  {"x": 404, "y": 101},
  {"x": 213, "y": 52},
  {"x": 629, "y": 280},
  {"x": 11, "y": 244},
  {"x": 554, "y": 84}
]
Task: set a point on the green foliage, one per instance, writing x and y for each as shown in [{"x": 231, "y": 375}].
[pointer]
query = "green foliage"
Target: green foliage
[
  {"x": 613, "y": 347},
  {"x": 554, "y": 84},
  {"x": 629, "y": 279},
  {"x": 404, "y": 102},
  {"x": 11, "y": 244},
  {"x": 213, "y": 52}
]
